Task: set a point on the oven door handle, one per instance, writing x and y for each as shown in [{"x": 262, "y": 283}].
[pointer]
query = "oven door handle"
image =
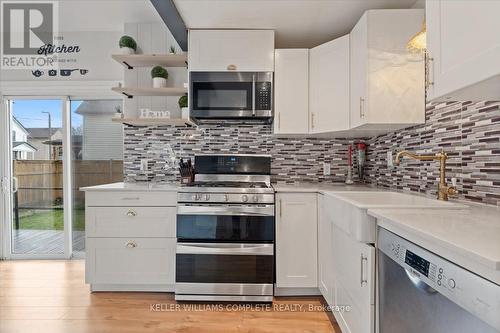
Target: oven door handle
[
  {"x": 266, "y": 210},
  {"x": 225, "y": 248}
]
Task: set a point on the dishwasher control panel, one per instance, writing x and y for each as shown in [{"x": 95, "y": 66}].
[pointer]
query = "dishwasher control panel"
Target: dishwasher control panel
[{"x": 470, "y": 291}]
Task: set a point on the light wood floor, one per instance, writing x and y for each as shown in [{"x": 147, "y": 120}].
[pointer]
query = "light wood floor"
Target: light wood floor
[{"x": 51, "y": 296}]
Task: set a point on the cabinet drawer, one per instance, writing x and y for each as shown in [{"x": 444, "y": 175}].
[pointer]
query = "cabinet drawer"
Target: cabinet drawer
[
  {"x": 130, "y": 260},
  {"x": 131, "y": 199},
  {"x": 130, "y": 221}
]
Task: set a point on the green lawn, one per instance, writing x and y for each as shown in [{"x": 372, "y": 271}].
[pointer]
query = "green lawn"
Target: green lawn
[{"x": 52, "y": 220}]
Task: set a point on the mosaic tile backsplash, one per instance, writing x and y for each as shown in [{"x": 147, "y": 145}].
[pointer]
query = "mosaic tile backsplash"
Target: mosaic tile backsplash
[
  {"x": 469, "y": 133},
  {"x": 294, "y": 159}
]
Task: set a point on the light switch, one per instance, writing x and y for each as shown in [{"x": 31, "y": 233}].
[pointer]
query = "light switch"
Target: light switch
[
  {"x": 390, "y": 161},
  {"x": 326, "y": 169}
]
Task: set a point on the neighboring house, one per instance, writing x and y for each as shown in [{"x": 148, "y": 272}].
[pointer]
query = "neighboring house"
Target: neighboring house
[
  {"x": 40, "y": 139},
  {"x": 21, "y": 148},
  {"x": 102, "y": 139}
]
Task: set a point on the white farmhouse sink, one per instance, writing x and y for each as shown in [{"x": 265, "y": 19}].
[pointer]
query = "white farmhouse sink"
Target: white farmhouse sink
[{"x": 349, "y": 209}]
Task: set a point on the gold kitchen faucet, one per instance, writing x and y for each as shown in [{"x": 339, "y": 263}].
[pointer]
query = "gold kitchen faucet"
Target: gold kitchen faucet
[{"x": 443, "y": 189}]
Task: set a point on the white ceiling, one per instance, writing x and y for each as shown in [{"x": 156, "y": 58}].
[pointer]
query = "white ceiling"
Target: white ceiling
[
  {"x": 104, "y": 15},
  {"x": 298, "y": 23}
]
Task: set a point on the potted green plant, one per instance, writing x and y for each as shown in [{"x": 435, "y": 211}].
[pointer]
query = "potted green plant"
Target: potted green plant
[
  {"x": 160, "y": 76},
  {"x": 127, "y": 45},
  {"x": 171, "y": 50},
  {"x": 183, "y": 104}
]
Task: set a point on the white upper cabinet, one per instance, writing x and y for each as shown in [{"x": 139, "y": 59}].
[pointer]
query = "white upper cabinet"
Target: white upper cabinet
[
  {"x": 329, "y": 86},
  {"x": 291, "y": 91},
  {"x": 296, "y": 240},
  {"x": 231, "y": 50},
  {"x": 463, "y": 40},
  {"x": 387, "y": 82}
]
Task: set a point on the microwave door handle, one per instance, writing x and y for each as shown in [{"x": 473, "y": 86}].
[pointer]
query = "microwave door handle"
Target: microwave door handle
[{"x": 253, "y": 94}]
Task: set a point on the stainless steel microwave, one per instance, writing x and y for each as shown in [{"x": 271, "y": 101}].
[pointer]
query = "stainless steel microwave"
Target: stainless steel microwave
[{"x": 231, "y": 95}]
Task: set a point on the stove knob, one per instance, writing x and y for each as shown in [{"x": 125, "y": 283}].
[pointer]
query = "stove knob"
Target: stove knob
[
  {"x": 197, "y": 197},
  {"x": 207, "y": 197},
  {"x": 194, "y": 197},
  {"x": 244, "y": 198},
  {"x": 255, "y": 198},
  {"x": 451, "y": 283},
  {"x": 226, "y": 197}
]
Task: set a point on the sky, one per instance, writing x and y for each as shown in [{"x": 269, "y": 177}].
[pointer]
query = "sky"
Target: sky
[{"x": 29, "y": 113}]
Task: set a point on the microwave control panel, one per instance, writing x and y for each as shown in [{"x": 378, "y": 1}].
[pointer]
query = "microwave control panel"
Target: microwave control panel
[{"x": 263, "y": 96}]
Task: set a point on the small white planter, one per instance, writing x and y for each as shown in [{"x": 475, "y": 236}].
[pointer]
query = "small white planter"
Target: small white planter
[
  {"x": 159, "y": 82},
  {"x": 185, "y": 113},
  {"x": 127, "y": 50}
]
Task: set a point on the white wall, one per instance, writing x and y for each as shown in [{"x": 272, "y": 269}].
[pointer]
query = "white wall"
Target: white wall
[{"x": 152, "y": 38}]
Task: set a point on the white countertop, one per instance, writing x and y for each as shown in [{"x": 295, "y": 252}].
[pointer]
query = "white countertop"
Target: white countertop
[
  {"x": 470, "y": 238},
  {"x": 321, "y": 187},
  {"x": 150, "y": 187}
]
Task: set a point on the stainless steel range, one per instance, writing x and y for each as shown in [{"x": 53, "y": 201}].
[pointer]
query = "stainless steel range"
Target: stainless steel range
[{"x": 225, "y": 231}]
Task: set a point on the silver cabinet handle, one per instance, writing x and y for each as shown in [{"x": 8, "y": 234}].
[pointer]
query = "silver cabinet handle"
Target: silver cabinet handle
[
  {"x": 131, "y": 244},
  {"x": 361, "y": 110},
  {"x": 131, "y": 198},
  {"x": 280, "y": 208},
  {"x": 428, "y": 81},
  {"x": 312, "y": 120},
  {"x": 362, "y": 272},
  {"x": 231, "y": 67},
  {"x": 132, "y": 213}
]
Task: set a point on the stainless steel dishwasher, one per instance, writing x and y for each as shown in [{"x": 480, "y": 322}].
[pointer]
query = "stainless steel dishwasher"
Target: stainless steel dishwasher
[{"x": 419, "y": 291}]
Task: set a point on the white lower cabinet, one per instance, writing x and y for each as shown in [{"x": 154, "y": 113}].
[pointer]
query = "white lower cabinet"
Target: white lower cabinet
[
  {"x": 296, "y": 240},
  {"x": 354, "y": 274},
  {"x": 131, "y": 260},
  {"x": 130, "y": 240}
]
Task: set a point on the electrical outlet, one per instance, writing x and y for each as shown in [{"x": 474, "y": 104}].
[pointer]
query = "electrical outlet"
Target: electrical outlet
[
  {"x": 144, "y": 164},
  {"x": 390, "y": 161},
  {"x": 327, "y": 170}
]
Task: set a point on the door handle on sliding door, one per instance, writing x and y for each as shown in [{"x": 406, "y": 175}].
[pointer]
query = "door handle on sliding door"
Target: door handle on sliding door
[{"x": 15, "y": 184}]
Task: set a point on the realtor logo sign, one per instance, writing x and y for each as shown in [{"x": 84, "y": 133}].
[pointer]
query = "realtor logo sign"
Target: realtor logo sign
[{"x": 26, "y": 27}]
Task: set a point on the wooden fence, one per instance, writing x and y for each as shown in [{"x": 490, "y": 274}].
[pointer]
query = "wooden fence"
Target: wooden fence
[{"x": 41, "y": 181}]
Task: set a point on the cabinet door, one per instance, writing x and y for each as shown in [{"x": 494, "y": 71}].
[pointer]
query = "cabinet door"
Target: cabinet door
[
  {"x": 231, "y": 50},
  {"x": 291, "y": 91},
  {"x": 355, "y": 281},
  {"x": 296, "y": 240},
  {"x": 130, "y": 221},
  {"x": 358, "y": 76},
  {"x": 325, "y": 251},
  {"x": 329, "y": 86},
  {"x": 465, "y": 51},
  {"x": 130, "y": 260}
]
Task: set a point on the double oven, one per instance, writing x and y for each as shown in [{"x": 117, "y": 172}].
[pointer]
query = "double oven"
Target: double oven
[{"x": 225, "y": 231}]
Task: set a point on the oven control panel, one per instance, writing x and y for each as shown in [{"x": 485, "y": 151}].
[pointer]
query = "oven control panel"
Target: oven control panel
[
  {"x": 204, "y": 197},
  {"x": 470, "y": 291}
]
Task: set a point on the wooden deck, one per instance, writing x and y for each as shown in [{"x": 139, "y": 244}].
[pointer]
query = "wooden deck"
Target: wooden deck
[{"x": 27, "y": 241}]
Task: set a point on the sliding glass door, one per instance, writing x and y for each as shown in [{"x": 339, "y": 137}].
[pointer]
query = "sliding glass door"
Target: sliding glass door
[
  {"x": 35, "y": 173},
  {"x": 54, "y": 147},
  {"x": 96, "y": 156}
]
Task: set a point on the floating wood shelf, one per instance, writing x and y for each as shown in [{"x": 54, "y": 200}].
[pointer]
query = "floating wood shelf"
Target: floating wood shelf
[
  {"x": 146, "y": 60},
  {"x": 169, "y": 91},
  {"x": 139, "y": 122}
]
